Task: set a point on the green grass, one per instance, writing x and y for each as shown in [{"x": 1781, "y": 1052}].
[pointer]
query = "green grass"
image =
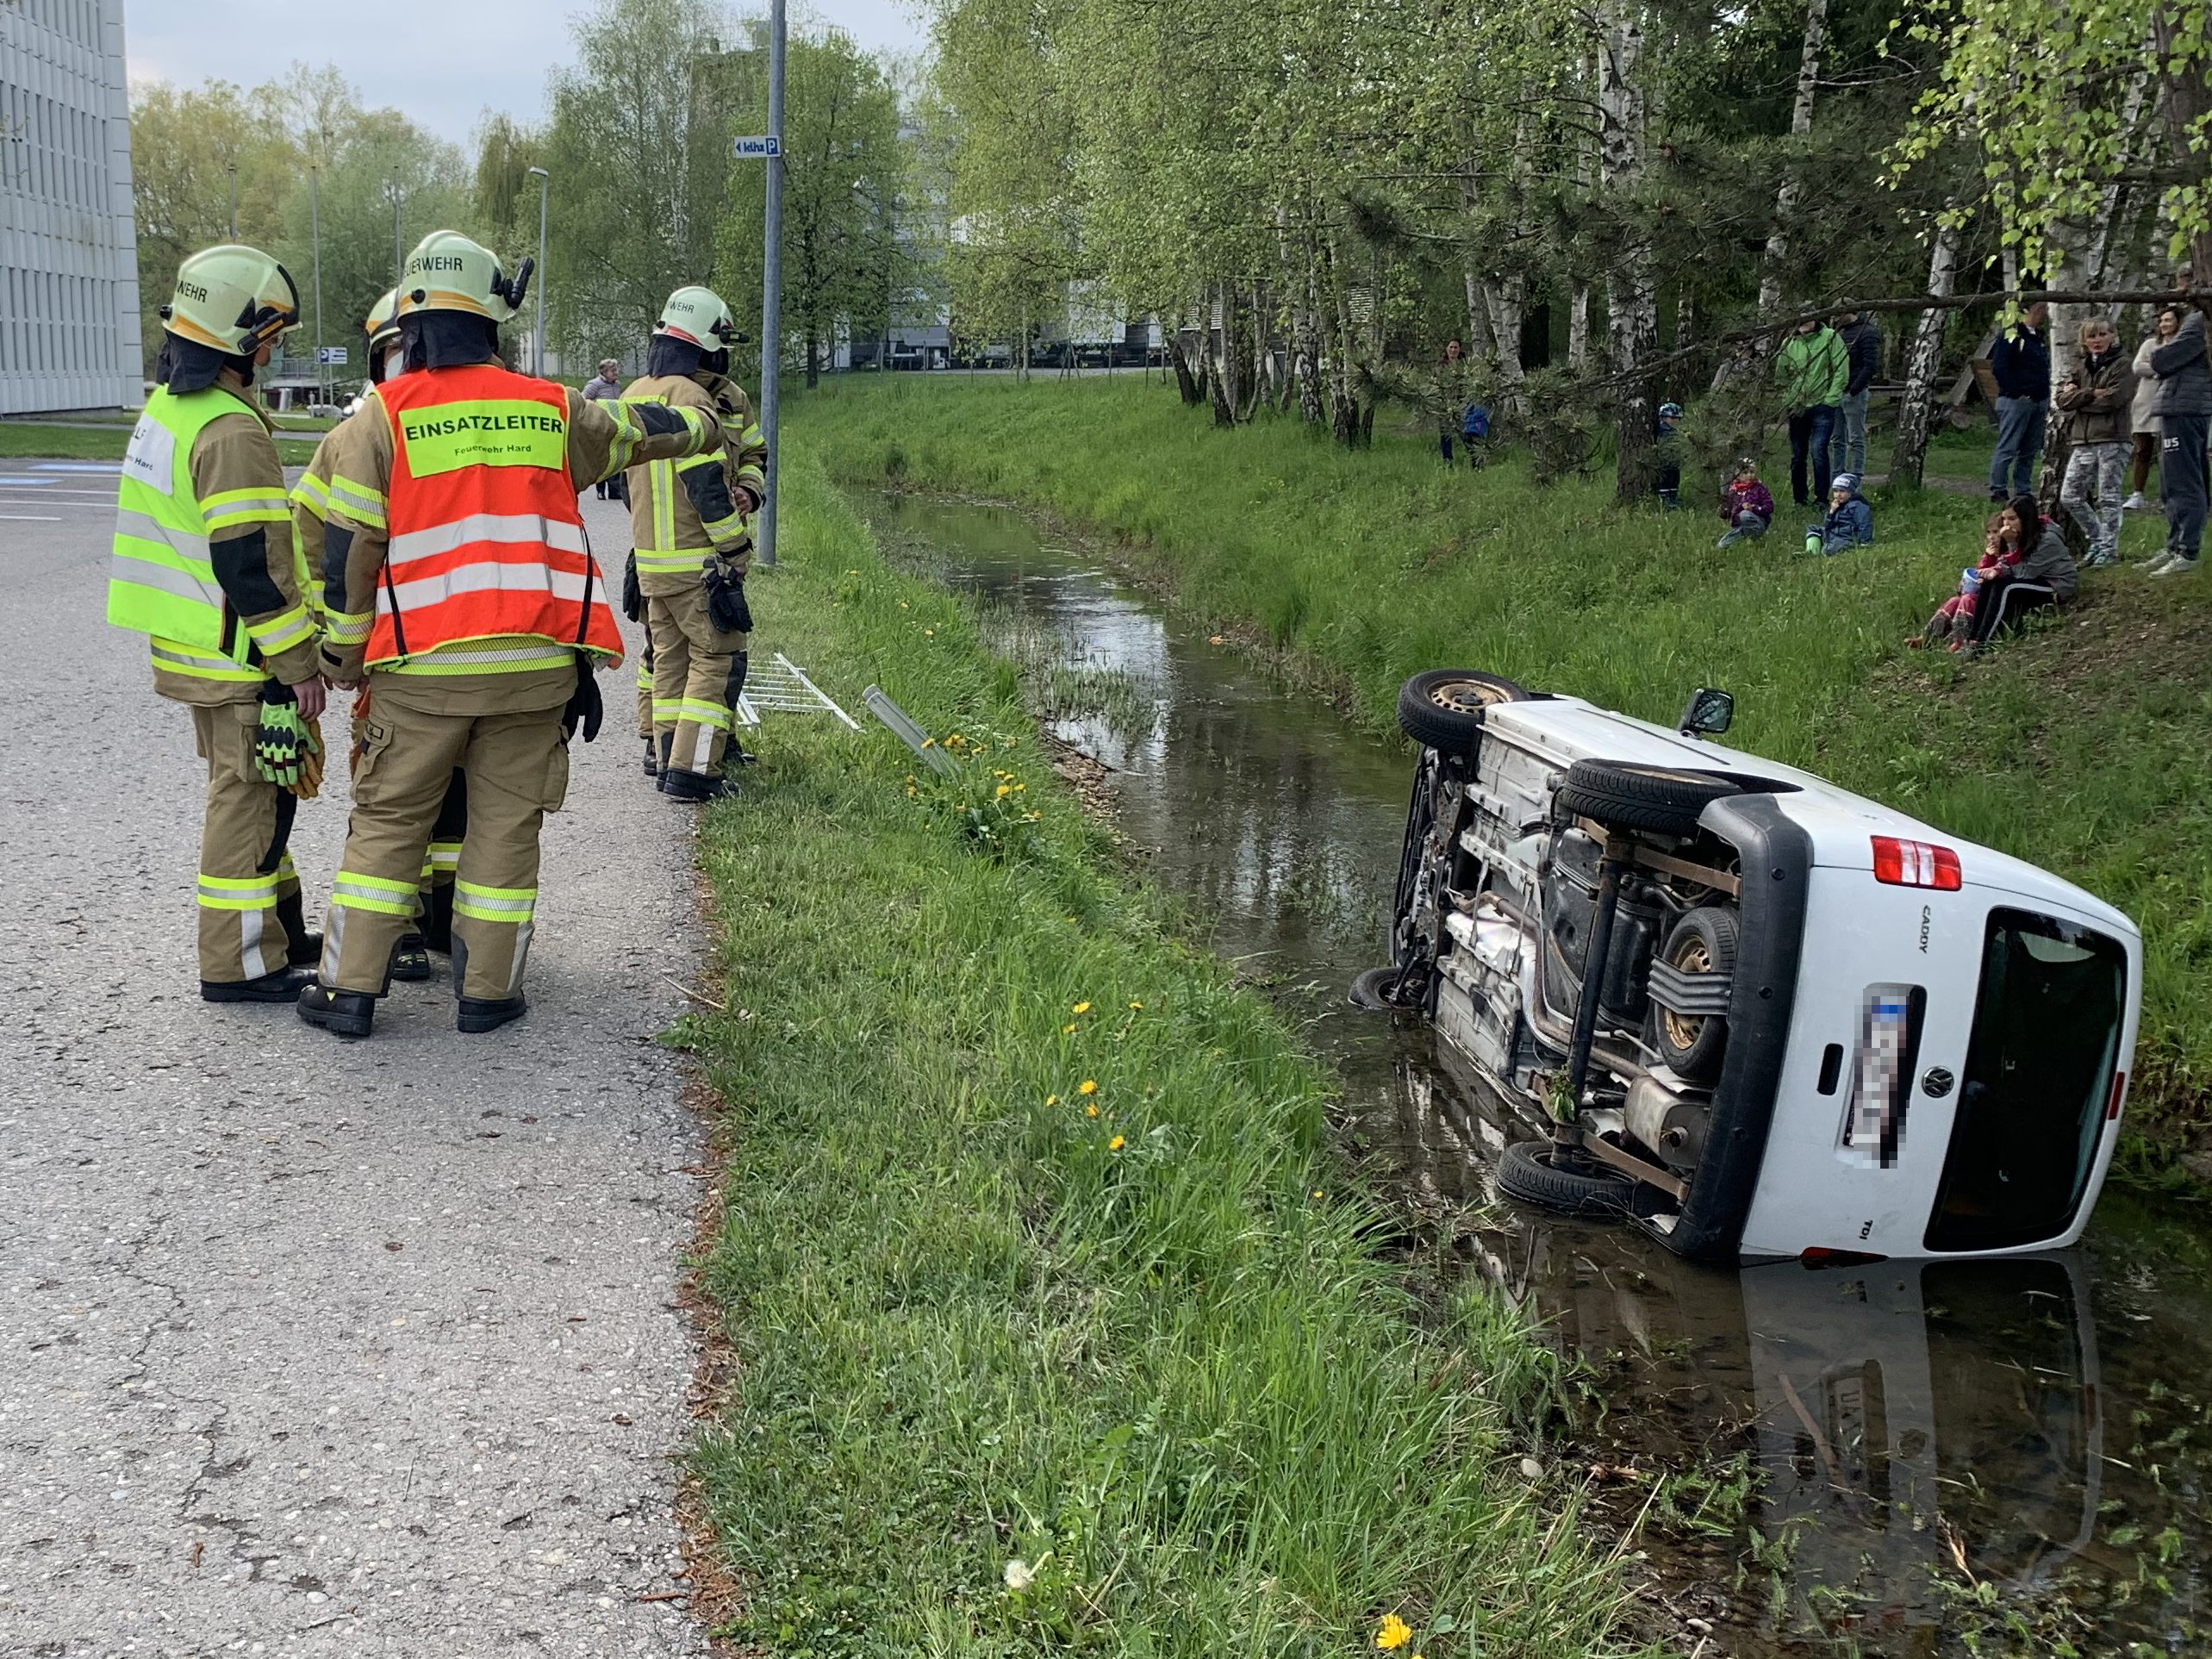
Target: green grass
[
  {"x": 1149, "y": 1353},
  {"x": 24, "y": 439},
  {"x": 2083, "y": 748}
]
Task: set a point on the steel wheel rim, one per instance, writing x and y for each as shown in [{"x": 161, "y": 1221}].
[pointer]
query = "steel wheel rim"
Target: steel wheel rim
[{"x": 1683, "y": 1030}]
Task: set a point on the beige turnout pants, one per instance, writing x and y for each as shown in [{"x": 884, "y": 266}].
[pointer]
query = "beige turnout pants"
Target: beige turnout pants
[
  {"x": 246, "y": 871},
  {"x": 517, "y": 771},
  {"x": 694, "y": 681}
]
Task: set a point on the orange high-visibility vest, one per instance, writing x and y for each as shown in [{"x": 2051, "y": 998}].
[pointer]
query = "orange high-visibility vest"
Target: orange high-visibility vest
[{"x": 486, "y": 539}]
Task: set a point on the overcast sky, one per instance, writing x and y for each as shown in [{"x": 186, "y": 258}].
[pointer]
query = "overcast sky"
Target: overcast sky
[{"x": 443, "y": 62}]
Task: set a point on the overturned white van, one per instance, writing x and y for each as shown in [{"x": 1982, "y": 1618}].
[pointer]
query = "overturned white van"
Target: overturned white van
[{"x": 1759, "y": 1016}]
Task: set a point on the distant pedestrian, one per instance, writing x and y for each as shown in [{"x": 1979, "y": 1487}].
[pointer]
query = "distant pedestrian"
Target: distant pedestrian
[
  {"x": 603, "y": 387},
  {"x": 2143, "y": 413},
  {"x": 1746, "y": 505},
  {"x": 1448, "y": 396},
  {"x": 1862, "y": 343},
  {"x": 2094, "y": 399},
  {"x": 2184, "y": 412},
  {"x": 2021, "y": 361},
  {"x": 1812, "y": 368},
  {"x": 1953, "y": 625},
  {"x": 1666, "y": 478}
]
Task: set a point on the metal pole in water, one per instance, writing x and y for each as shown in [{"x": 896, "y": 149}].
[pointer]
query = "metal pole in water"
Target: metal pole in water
[{"x": 772, "y": 283}]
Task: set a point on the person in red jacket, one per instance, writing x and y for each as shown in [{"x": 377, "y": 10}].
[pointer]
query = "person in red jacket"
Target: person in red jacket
[{"x": 1746, "y": 505}]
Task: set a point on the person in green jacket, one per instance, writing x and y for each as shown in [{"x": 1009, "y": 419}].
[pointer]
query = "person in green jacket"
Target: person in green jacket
[{"x": 1812, "y": 368}]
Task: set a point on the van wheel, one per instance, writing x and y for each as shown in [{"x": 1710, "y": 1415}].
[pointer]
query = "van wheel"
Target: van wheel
[
  {"x": 1373, "y": 991},
  {"x": 1443, "y": 708},
  {"x": 1530, "y": 1170},
  {"x": 1702, "y": 942},
  {"x": 1622, "y": 795}
]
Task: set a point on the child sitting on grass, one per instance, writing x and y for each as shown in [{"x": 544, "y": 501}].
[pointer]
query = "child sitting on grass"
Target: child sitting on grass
[
  {"x": 1746, "y": 505},
  {"x": 1953, "y": 621},
  {"x": 1849, "y": 523}
]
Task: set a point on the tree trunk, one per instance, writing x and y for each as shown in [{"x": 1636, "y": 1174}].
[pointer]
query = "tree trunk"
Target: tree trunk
[
  {"x": 1917, "y": 405},
  {"x": 1225, "y": 365},
  {"x": 1185, "y": 381},
  {"x": 1631, "y": 289},
  {"x": 1480, "y": 339},
  {"x": 1577, "y": 330},
  {"x": 813, "y": 360},
  {"x": 1801, "y": 123},
  {"x": 1021, "y": 347},
  {"x": 2187, "y": 96}
]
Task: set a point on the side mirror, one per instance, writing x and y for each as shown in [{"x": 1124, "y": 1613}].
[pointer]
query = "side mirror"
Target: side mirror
[{"x": 1710, "y": 713}]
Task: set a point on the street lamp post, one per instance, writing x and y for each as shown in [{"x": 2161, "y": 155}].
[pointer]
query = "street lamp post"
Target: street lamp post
[
  {"x": 232, "y": 169},
  {"x": 771, "y": 299},
  {"x": 537, "y": 349},
  {"x": 314, "y": 222}
]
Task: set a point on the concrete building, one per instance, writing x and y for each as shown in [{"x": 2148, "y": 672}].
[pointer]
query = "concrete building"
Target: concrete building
[{"x": 69, "y": 318}]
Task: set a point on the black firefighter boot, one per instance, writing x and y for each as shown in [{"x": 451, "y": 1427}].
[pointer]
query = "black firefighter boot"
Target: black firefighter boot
[
  {"x": 438, "y": 920},
  {"x": 666, "y": 742},
  {"x": 479, "y": 1015},
  {"x": 653, "y": 758},
  {"x": 694, "y": 787},
  {"x": 301, "y": 948},
  {"x": 342, "y": 1014}
]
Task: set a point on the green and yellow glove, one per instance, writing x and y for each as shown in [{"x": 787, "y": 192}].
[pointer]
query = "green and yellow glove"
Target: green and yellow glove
[{"x": 280, "y": 741}]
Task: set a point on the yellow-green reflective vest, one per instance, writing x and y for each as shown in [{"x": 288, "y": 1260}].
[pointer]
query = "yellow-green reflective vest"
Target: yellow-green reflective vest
[{"x": 161, "y": 580}]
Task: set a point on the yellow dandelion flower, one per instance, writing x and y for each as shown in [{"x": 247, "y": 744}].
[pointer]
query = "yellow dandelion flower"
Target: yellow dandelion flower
[
  {"x": 1116, "y": 1144},
  {"x": 1021, "y": 788},
  {"x": 1087, "y": 1087},
  {"x": 929, "y": 742},
  {"x": 930, "y": 633},
  {"x": 1137, "y": 1006},
  {"x": 1000, "y": 793},
  {"x": 1082, "y": 1007},
  {"x": 1090, "y": 1111},
  {"x": 1054, "y": 1100},
  {"x": 1317, "y": 1191},
  {"x": 1395, "y": 1632},
  {"x": 1068, "y": 1030}
]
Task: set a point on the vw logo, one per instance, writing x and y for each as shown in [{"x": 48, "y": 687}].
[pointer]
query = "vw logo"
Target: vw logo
[{"x": 1937, "y": 1083}]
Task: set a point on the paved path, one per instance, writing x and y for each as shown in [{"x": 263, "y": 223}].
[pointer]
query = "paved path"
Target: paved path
[{"x": 314, "y": 1348}]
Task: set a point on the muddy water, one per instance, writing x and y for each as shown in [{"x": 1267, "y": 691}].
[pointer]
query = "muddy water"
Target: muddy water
[{"x": 1910, "y": 1459}]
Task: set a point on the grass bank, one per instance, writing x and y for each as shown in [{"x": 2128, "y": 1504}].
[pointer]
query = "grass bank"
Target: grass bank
[
  {"x": 2083, "y": 748},
  {"x": 1054, "y": 1329}
]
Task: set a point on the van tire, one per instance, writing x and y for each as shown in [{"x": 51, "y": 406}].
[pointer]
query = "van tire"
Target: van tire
[
  {"x": 1370, "y": 992},
  {"x": 1527, "y": 1171},
  {"x": 1441, "y": 708},
  {"x": 1626, "y": 794},
  {"x": 1703, "y": 941}
]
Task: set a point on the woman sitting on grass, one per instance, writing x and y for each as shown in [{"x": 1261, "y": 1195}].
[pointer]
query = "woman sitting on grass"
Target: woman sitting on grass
[
  {"x": 2030, "y": 557},
  {"x": 1746, "y": 505},
  {"x": 1953, "y": 621}
]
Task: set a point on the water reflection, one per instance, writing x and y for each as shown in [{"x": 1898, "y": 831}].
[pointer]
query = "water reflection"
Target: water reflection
[{"x": 2037, "y": 1426}]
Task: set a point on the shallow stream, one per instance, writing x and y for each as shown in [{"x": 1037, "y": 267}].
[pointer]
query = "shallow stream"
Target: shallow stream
[{"x": 1907, "y": 1459}]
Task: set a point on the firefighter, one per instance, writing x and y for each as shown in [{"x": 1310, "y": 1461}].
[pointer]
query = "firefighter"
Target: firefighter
[
  {"x": 310, "y": 503},
  {"x": 693, "y": 548},
  {"x": 204, "y": 564},
  {"x": 463, "y": 547}
]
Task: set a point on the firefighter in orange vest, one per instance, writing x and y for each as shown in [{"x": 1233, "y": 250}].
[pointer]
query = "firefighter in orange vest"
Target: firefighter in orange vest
[
  {"x": 693, "y": 547},
  {"x": 459, "y": 565},
  {"x": 311, "y": 498}
]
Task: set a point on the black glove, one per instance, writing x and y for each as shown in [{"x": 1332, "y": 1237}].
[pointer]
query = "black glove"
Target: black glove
[
  {"x": 725, "y": 599},
  {"x": 584, "y": 707},
  {"x": 633, "y": 598}
]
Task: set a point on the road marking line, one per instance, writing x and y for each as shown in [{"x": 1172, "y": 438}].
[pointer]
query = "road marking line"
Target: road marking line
[{"x": 30, "y": 518}]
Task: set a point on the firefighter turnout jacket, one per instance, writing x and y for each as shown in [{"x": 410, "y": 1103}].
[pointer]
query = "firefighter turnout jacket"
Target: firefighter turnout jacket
[
  {"x": 454, "y": 563},
  {"x": 203, "y": 561},
  {"x": 681, "y": 513}
]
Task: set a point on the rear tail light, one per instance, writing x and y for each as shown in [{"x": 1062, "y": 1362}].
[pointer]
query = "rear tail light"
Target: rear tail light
[
  {"x": 1820, "y": 1255},
  {"x": 1916, "y": 864},
  {"x": 2119, "y": 1094}
]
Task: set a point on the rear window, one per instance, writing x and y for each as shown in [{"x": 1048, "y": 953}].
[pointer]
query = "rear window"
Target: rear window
[{"x": 2039, "y": 1073}]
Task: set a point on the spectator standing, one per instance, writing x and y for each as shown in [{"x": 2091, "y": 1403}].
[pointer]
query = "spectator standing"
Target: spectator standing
[
  {"x": 2184, "y": 412},
  {"x": 602, "y": 387},
  {"x": 2096, "y": 402},
  {"x": 1862, "y": 345},
  {"x": 1450, "y": 397},
  {"x": 1746, "y": 505},
  {"x": 1812, "y": 368},
  {"x": 2021, "y": 361},
  {"x": 2143, "y": 415}
]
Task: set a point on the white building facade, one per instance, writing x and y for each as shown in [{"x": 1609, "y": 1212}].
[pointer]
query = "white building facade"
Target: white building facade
[{"x": 69, "y": 304}]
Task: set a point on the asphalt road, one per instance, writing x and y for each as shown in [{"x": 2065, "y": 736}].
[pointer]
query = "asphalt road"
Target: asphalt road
[{"x": 309, "y": 1347}]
